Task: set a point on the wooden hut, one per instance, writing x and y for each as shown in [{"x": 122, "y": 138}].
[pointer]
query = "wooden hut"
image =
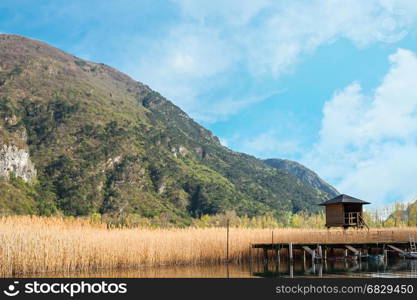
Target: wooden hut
[{"x": 344, "y": 211}]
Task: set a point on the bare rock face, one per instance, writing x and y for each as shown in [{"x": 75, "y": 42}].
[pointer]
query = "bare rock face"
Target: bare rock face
[{"x": 13, "y": 159}]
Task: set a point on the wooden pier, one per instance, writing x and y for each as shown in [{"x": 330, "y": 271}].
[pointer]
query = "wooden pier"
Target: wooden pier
[{"x": 326, "y": 251}]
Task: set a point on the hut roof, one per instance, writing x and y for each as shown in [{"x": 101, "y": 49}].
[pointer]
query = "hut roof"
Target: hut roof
[{"x": 344, "y": 199}]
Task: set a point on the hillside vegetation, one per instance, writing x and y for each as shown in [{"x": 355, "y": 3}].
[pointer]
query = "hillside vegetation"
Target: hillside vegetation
[
  {"x": 304, "y": 174},
  {"x": 103, "y": 143}
]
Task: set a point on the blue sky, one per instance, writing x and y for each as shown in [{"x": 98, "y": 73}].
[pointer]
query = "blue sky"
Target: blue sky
[{"x": 303, "y": 80}]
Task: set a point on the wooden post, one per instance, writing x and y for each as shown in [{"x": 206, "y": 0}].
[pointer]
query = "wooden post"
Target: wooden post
[
  {"x": 277, "y": 268},
  {"x": 250, "y": 258},
  {"x": 325, "y": 253},
  {"x": 304, "y": 261},
  {"x": 320, "y": 251},
  {"x": 227, "y": 243},
  {"x": 290, "y": 252},
  {"x": 265, "y": 255},
  {"x": 279, "y": 258},
  {"x": 277, "y": 254}
]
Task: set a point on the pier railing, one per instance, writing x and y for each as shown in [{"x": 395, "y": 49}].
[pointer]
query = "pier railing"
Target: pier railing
[{"x": 354, "y": 219}]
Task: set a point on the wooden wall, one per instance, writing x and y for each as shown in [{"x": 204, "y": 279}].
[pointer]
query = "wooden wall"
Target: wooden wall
[{"x": 334, "y": 215}]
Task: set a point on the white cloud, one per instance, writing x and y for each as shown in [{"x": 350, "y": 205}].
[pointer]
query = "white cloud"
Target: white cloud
[
  {"x": 224, "y": 141},
  {"x": 368, "y": 143},
  {"x": 234, "y": 12},
  {"x": 270, "y": 144},
  {"x": 298, "y": 28},
  {"x": 221, "y": 109},
  {"x": 261, "y": 39},
  {"x": 184, "y": 65}
]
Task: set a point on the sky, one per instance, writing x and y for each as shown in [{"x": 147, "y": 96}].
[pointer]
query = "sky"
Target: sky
[{"x": 331, "y": 84}]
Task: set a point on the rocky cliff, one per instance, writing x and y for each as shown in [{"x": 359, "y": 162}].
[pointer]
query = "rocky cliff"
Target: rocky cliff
[{"x": 17, "y": 162}]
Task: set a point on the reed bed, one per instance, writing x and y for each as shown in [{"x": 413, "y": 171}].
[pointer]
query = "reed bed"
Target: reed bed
[{"x": 41, "y": 245}]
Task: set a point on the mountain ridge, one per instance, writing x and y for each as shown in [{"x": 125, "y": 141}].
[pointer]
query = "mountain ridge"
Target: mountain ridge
[
  {"x": 103, "y": 142},
  {"x": 303, "y": 173}
]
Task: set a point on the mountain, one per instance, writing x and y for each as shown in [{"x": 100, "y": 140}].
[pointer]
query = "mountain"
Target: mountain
[
  {"x": 79, "y": 137},
  {"x": 301, "y": 172}
]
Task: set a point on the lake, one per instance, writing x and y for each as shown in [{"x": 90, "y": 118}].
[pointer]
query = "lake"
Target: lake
[{"x": 392, "y": 269}]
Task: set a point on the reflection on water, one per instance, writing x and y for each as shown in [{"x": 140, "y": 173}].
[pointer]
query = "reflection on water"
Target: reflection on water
[
  {"x": 199, "y": 271},
  {"x": 392, "y": 268},
  {"x": 348, "y": 268}
]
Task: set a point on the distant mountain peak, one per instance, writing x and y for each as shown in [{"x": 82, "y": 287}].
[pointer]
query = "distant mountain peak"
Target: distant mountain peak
[{"x": 303, "y": 173}]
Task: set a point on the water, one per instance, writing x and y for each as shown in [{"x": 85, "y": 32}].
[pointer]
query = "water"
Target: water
[
  {"x": 391, "y": 269},
  {"x": 371, "y": 268}
]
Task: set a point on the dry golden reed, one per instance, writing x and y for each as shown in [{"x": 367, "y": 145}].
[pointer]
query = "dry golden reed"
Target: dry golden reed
[{"x": 42, "y": 245}]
